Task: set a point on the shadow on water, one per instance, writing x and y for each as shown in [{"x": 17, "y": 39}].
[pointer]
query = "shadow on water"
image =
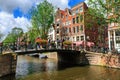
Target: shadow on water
[
  {"x": 62, "y": 65},
  {"x": 8, "y": 77},
  {"x": 28, "y": 65},
  {"x": 50, "y": 69}
]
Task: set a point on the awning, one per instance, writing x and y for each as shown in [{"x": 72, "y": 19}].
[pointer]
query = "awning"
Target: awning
[
  {"x": 89, "y": 44},
  {"x": 82, "y": 43},
  {"x": 78, "y": 43}
]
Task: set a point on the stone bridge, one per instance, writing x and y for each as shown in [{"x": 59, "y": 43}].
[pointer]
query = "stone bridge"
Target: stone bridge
[{"x": 66, "y": 56}]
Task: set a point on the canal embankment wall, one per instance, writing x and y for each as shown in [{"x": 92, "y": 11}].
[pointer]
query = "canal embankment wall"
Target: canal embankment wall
[
  {"x": 69, "y": 57},
  {"x": 7, "y": 64},
  {"x": 100, "y": 59},
  {"x": 87, "y": 58}
]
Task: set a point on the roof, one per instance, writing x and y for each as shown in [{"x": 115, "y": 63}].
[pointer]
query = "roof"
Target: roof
[{"x": 63, "y": 12}]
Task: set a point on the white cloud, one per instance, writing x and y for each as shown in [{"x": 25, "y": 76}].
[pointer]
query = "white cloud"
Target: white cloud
[
  {"x": 25, "y": 5},
  {"x": 10, "y": 5},
  {"x": 60, "y": 3},
  {"x": 86, "y": 1},
  {"x": 7, "y": 22}
]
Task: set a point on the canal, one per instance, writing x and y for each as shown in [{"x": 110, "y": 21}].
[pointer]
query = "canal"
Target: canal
[{"x": 30, "y": 68}]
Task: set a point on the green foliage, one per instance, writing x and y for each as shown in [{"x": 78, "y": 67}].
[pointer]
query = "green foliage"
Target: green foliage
[
  {"x": 33, "y": 34},
  {"x": 81, "y": 18},
  {"x": 13, "y": 35},
  {"x": 1, "y": 35},
  {"x": 42, "y": 18},
  {"x": 103, "y": 8}
]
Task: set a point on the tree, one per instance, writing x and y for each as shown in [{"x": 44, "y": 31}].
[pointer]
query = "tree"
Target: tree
[
  {"x": 105, "y": 9},
  {"x": 1, "y": 35},
  {"x": 42, "y": 18},
  {"x": 32, "y": 33},
  {"x": 14, "y": 35}
]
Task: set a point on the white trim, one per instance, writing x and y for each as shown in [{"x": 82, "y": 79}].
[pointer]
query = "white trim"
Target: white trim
[
  {"x": 109, "y": 41},
  {"x": 114, "y": 39}
]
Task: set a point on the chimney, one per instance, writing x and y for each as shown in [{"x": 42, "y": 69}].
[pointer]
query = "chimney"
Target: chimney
[{"x": 58, "y": 8}]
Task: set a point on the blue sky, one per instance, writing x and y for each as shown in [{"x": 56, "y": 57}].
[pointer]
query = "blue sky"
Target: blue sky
[
  {"x": 18, "y": 13},
  {"x": 14, "y": 13},
  {"x": 74, "y": 2}
]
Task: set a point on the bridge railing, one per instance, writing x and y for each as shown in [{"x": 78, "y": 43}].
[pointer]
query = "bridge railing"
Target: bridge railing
[{"x": 12, "y": 46}]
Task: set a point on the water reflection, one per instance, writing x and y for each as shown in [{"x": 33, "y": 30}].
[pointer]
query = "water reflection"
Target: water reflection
[
  {"x": 49, "y": 69},
  {"x": 8, "y": 77},
  {"x": 27, "y": 65}
]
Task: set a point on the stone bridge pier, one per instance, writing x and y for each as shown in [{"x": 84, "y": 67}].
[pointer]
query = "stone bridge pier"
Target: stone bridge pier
[{"x": 69, "y": 57}]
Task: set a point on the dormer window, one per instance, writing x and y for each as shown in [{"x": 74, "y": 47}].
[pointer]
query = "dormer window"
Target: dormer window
[
  {"x": 77, "y": 10},
  {"x": 73, "y": 13},
  {"x": 62, "y": 16},
  {"x": 81, "y": 9},
  {"x": 58, "y": 24}
]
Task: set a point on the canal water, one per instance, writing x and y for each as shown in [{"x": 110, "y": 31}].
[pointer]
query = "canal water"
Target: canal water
[{"x": 30, "y": 68}]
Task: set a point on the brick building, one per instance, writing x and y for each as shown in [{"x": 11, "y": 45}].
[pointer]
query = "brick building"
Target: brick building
[
  {"x": 72, "y": 24},
  {"x": 114, "y": 27}
]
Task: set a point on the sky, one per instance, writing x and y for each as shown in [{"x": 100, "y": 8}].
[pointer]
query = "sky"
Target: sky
[{"x": 14, "y": 13}]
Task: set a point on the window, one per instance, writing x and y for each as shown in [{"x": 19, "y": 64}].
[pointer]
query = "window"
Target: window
[
  {"x": 57, "y": 30},
  {"x": 57, "y": 37},
  {"x": 81, "y": 18},
  {"x": 77, "y": 38},
  {"x": 81, "y": 9},
  {"x": 73, "y": 20},
  {"x": 77, "y": 19},
  {"x": 63, "y": 24},
  {"x": 82, "y": 38},
  {"x": 117, "y": 33},
  {"x": 81, "y": 27},
  {"x": 73, "y": 29},
  {"x": 69, "y": 22},
  {"x": 66, "y": 16},
  {"x": 77, "y": 29},
  {"x": 62, "y": 16},
  {"x": 70, "y": 30},
  {"x": 73, "y": 39},
  {"x": 58, "y": 24},
  {"x": 77, "y": 11},
  {"x": 67, "y": 30},
  {"x": 73, "y": 13},
  {"x": 69, "y": 12}
]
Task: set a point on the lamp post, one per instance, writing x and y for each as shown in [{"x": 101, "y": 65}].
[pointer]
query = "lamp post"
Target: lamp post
[
  {"x": 25, "y": 38},
  {"x": 1, "y": 44}
]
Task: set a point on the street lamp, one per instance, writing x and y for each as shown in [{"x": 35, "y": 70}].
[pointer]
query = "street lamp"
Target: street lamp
[{"x": 1, "y": 44}]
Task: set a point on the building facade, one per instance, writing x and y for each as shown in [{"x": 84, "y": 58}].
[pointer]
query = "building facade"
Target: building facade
[
  {"x": 114, "y": 27},
  {"x": 72, "y": 24},
  {"x": 51, "y": 34}
]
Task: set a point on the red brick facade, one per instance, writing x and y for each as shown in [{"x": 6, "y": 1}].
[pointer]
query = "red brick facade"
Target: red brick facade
[{"x": 72, "y": 24}]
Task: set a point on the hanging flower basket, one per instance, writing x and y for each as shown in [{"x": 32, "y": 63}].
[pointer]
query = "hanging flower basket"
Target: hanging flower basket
[
  {"x": 41, "y": 41},
  {"x": 67, "y": 43}
]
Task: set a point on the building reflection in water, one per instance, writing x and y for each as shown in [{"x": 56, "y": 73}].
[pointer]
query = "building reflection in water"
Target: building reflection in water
[{"x": 27, "y": 65}]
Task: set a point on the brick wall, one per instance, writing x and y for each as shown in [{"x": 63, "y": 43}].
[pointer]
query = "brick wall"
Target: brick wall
[
  {"x": 108, "y": 60},
  {"x": 7, "y": 64}
]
